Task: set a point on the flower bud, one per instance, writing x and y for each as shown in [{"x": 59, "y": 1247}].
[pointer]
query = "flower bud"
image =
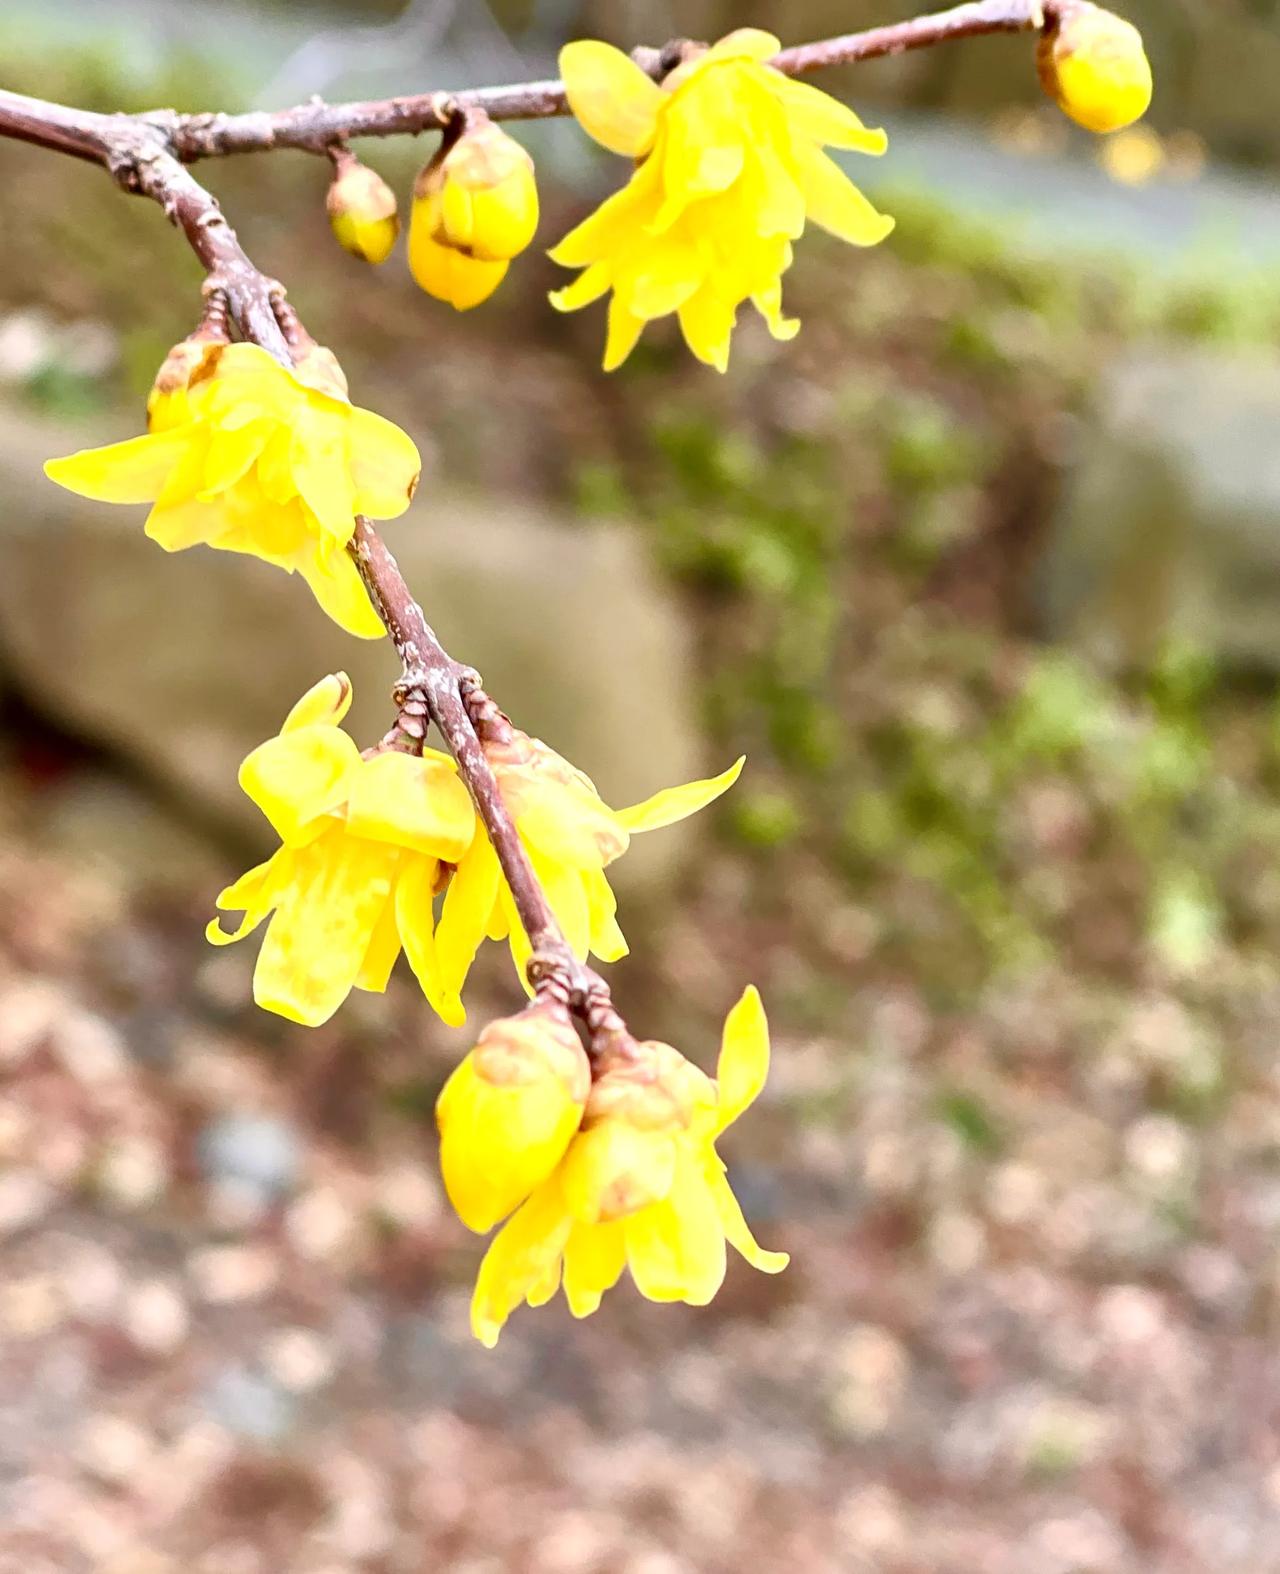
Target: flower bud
[
  {"x": 475, "y": 206},
  {"x": 362, "y": 209},
  {"x": 1092, "y": 64},
  {"x": 508, "y": 1112},
  {"x": 646, "y": 1099}
]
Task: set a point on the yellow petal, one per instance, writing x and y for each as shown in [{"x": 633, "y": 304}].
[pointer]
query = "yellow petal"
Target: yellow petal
[
  {"x": 336, "y": 585},
  {"x": 677, "y": 803},
  {"x": 177, "y": 526},
  {"x": 318, "y": 460},
  {"x": 706, "y": 320},
  {"x": 500, "y": 1142},
  {"x": 385, "y": 465},
  {"x": 572, "y": 826},
  {"x": 520, "y": 1257},
  {"x": 449, "y": 275},
  {"x": 231, "y": 454},
  {"x": 623, "y": 334},
  {"x": 613, "y": 101},
  {"x": 676, "y": 1248},
  {"x": 323, "y": 705},
  {"x": 607, "y": 940},
  {"x": 744, "y": 1058},
  {"x": 613, "y": 1169},
  {"x": 134, "y": 471},
  {"x": 615, "y": 223},
  {"x": 383, "y": 950},
  {"x": 594, "y": 1257},
  {"x": 587, "y": 287},
  {"x": 415, "y": 918},
  {"x": 744, "y": 43},
  {"x": 818, "y": 117},
  {"x": 563, "y": 889},
  {"x": 415, "y": 803},
  {"x": 254, "y": 895},
  {"x": 668, "y": 274},
  {"x": 468, "y": 904},
  {"x": 299, "y": 776},
  {"x": 835, "y": 204},
  {"x": 736, "y": 1229},
  {"x": 320, "y": 933}
]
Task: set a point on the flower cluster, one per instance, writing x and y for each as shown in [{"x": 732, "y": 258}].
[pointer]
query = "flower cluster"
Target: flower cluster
[
  {"x": 731, "y": 166},
  {"x": 625, "y": 1175},
  {"x": 246, "y": 455},
  {"x": 369, "y": 842}
]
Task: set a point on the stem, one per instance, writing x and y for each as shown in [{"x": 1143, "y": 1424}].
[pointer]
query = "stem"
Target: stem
[{"x": 312, "y": 127}]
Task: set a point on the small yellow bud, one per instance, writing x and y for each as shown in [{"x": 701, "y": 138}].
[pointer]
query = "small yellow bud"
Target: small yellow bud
[
  {"x": 508, "y": 1112},
  {"x": 1092, "y": 64},
  {"x": 475, "y": 206},
  {"x": 362, "y": 209},
  {"x": 645, "y": 1100}
]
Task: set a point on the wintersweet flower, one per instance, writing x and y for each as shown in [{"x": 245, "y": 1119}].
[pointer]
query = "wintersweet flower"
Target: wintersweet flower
[
  {"x": 508, "y": 1111},
  {"x": 475, "y": 206},
  {"x": 731, "y": 165},
  {"x": 641, "y": 1186},
  {"x": 250, "y": 456},
  {"x": 571, "y": 836},
  {"x": 364, "y": 845},
  {"x": 1093, "y": 65}
]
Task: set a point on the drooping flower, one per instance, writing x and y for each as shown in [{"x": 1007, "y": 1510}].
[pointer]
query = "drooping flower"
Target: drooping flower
[
  {"x": 1092, "y": 64},
  {"x": 250, "y": 456},
  {"x": 571, "y": 835},
  {"x": 508, "y": 1111},
  {"x": 475, "y": 206},
  {"x": 641, "y": 1186},
  {"x": 731, "y": 164},
  {"x": 362, "y": 209},
  {"x": 363, "y": 845}
]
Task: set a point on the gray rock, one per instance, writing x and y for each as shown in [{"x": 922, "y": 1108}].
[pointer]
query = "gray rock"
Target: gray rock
[
  {"x": 184, "y": 662},
  {"x": 1169, "y": 523},
  {"x": 251, "y": 1150}
]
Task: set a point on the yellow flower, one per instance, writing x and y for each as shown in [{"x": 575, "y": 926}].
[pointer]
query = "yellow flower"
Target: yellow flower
[
  {"x": 570, "y": 835},
  {"x": 731, "y": 165},
  {"x": 475, "y": 206},
  {"x": 640, "y": 1187},
  {"x": 508, "y": 1111},
  {"x": 1093, "y": 65},
  {"x": 363, "y": 844},
  {"x": 249, "y": 456},
  {"x": 362, "y": 210}
]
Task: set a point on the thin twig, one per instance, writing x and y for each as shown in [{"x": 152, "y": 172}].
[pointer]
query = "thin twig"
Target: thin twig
[{"x": 313, "y": 126}]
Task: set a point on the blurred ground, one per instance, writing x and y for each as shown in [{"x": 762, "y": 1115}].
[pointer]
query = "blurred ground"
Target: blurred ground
[{"x": 1016, "y": 917}]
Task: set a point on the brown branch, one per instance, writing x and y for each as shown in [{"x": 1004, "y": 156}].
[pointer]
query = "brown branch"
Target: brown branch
[{"x": 312, "y": 127}]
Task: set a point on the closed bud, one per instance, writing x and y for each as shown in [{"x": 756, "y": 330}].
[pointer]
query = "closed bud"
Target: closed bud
[
  {"x": 362, "y": 209},
  {"x": 475, "y": 206},
  {"x": 646, "y": 1099},
  {"x": 1093, "y": 65},
  {"x": 508, "y": 1112}
]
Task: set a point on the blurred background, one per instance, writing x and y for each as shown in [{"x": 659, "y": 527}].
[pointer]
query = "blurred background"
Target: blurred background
[{"x": 982, "y": 575}]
